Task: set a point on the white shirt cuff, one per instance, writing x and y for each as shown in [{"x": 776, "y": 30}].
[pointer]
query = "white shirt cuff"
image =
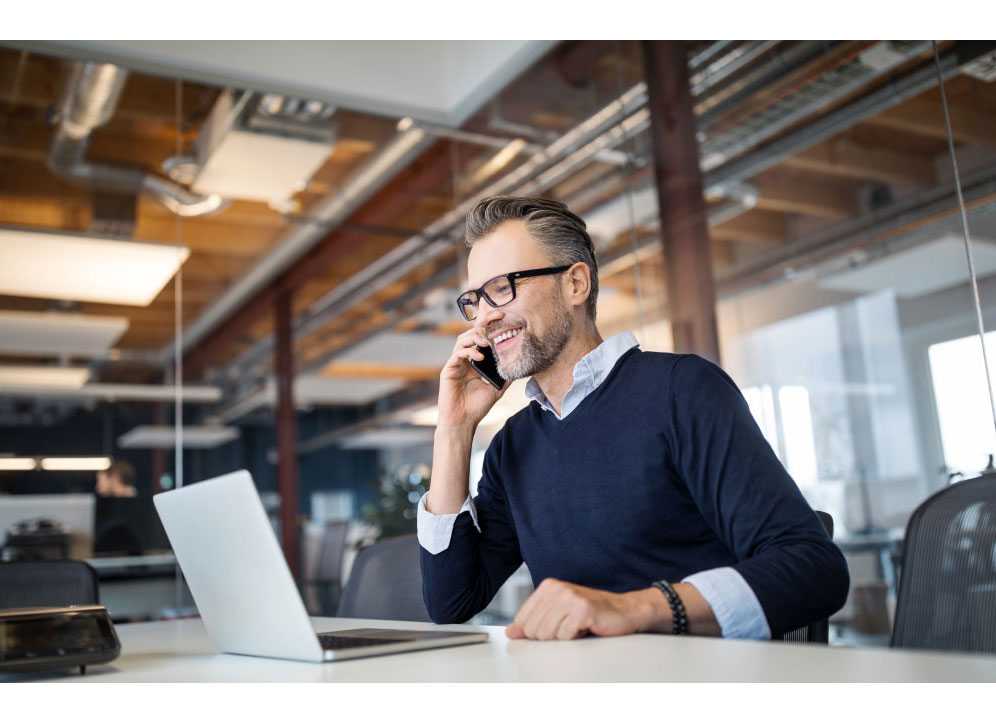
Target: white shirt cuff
[
  {"x": 434, "y": 531},
  {"x": 733, "y": 603}
]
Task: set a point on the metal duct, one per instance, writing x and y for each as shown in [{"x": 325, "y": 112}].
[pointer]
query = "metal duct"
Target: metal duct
[{"x": 88, "y": 101}]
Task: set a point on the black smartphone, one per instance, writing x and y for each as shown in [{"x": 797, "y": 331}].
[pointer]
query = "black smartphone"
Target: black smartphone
[{"x": 488, "y": 369}]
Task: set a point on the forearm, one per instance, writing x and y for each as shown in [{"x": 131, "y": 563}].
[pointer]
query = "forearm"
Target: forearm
[
  {"x": 654, "y": 612},
  {"x": 449, "y": 487}
]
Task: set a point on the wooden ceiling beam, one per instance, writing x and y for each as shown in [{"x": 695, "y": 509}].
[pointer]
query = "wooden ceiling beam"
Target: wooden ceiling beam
[
  {"x": 846, "y": 159},
  {"x": 924, "y": 116},
  {"x": 753, "y": 227},
  {"x": 379, "y": 371},
  {"x": 806, "y": 196}
]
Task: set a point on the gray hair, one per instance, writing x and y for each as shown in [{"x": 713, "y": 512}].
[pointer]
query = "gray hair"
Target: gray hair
[{"x": 559, "y": 231}]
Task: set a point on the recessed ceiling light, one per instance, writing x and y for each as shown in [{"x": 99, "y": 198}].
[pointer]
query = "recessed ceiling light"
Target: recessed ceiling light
[
  {"x": 85, "y": 268},
  {"x": 17, "y": 464},
  {"x": 164, "y": 437},
  {"x": 42, "y": 376},
  {"x": 75, "y": 464}
]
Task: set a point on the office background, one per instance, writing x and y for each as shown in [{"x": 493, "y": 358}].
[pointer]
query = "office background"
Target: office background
[{"x": 278, "y": 225}]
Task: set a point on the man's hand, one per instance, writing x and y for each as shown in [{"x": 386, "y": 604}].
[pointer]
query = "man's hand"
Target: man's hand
[
  {"x": 465, "y": 398},
  {"x": 562, "y": 611}
]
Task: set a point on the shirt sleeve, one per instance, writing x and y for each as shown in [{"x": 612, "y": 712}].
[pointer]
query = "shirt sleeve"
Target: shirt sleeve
[
  {"x": 435, "y": 531},
  {"x": 734, "y": 604},
  {"x": 466, "y": 557}
]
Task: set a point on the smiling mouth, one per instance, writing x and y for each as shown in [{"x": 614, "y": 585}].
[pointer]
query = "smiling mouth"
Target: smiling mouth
[{"x": 501, "y": 340}]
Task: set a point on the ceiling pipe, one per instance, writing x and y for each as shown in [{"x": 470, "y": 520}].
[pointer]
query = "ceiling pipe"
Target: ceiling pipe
[
  {"x": 90, "y": 95},
  {"x": 895, "y": 92}
]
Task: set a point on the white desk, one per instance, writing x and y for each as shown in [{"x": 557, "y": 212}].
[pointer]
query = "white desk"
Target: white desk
[{"x": 180, "y": 651}]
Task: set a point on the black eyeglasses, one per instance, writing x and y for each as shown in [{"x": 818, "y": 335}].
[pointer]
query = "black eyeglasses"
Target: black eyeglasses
[{"x": 500, "y": 290}]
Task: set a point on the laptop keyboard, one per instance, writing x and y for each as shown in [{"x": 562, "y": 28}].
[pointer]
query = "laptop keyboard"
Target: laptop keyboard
[{"x": 331, "y": 641}]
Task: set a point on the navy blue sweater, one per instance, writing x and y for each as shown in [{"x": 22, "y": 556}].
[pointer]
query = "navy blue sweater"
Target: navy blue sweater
[{"x": 659, "y": 473}]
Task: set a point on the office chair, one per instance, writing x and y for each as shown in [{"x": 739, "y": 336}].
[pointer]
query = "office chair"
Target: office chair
[
  {"x": 47, "y": 583},
  {"x": 386, "y": 582},
  {"x": 947, "y": 592},
  {"x": 327, "y": 579},
  {"x": 818, "y": 632}
]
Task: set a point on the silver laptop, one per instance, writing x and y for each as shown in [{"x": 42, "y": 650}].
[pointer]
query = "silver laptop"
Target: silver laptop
[{"x": 243, "y": 588}]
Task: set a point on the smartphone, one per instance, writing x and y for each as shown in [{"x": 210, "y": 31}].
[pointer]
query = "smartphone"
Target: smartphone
[{"x": 488, "y": 368}]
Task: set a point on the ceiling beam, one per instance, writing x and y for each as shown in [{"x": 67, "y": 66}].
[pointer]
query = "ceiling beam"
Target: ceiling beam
[
  {"x": 379, "y": 371},
  {"x": 924, "y": 116},
  {"x": 761, "y": 227},
  {"x": 846, "y": 159},
  {"x": 806, "y": 196}
]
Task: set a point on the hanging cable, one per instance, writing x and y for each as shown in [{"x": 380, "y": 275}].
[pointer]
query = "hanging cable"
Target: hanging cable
[
  {"x": 964, "y": 223},
  {"x": 178, "y": 332}
]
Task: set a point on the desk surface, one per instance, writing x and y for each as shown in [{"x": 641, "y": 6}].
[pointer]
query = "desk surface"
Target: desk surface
[{"x": 180, "y": 651}]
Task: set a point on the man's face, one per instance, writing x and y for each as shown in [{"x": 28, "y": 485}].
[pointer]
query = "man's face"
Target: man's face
[{"x": 539, "y": 318}]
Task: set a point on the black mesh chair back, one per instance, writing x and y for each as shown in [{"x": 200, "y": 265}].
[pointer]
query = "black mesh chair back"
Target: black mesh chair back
[
  {"x": 47, "y": 583},
  {"x": 818, "y": 632},
  {"x": 947, "y": 592},
  {"x": 386, "y": 582}
]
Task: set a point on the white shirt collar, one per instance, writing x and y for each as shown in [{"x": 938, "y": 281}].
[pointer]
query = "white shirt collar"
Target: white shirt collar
[{"x": 589, "y": 372}]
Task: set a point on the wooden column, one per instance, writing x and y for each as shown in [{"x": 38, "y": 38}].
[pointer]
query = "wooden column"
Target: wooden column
[
  {"x": 287, "y": 483},
  {"x": 684, "y": 232}
]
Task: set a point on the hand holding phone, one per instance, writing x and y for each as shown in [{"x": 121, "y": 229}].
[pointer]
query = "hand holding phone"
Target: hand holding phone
[{"x": 488, "y": 368}]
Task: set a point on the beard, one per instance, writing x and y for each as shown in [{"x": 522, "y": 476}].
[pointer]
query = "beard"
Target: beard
[{"x": 536, "y": 355}]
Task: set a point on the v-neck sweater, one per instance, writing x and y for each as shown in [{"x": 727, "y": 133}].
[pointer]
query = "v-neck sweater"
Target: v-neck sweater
[{"x": 659, "y": 473}]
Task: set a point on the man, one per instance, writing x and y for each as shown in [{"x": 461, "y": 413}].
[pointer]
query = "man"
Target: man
[
  {"x": 636, "y": 487},
  {"x": 118, "y": 480}
]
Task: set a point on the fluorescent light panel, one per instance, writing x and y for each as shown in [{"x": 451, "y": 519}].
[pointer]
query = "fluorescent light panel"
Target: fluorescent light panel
[
  {"x": 259, "y": 166},
  {"x": 387, "y": 438},
  {"x": 50, "y": 332},
  {"x": 17, "y": 464},
  {"x": 117, "y": 392},
  {"x": 85, "y": 268},
  {"x": 43, "y": 376},
  {"x": 164, "y": 437},
  {"x": 75, "y": 464}
]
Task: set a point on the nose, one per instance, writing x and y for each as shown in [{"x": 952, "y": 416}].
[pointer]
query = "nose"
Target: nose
[{"x": 486, "y": 314}]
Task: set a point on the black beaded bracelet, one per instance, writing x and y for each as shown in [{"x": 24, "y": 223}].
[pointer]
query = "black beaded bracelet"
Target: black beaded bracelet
[{"x": 678, "y": 615}]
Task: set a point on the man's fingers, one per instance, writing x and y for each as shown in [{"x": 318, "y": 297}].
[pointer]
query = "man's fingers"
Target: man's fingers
[
  {"x": 549, "y": 624},
  {"x": 514, "y": 631},
  {"x": 570, "y": 627}
]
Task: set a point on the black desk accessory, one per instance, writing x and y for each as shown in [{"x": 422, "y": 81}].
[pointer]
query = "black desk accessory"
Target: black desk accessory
[{"x": 43, "y": 639}]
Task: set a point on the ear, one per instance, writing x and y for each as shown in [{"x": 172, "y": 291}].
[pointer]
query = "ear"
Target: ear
[{"x": 578, "y": 283}]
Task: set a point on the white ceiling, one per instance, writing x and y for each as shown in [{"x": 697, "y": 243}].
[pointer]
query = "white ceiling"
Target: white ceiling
[{"x": 443, "y": 81}]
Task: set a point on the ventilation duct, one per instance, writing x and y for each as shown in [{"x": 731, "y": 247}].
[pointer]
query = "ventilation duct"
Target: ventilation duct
[{"x": 88, "y": 101}]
